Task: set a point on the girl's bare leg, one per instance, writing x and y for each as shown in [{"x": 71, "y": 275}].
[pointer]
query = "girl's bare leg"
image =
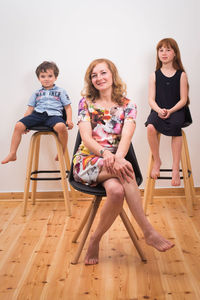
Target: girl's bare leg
[
  {"x": 152, "y": 237},
  {"x": 111, "y": 209},
  {"x": 62, "y": 132},
  {"x": 154, "y": 146},
  {"x": 15, "y": 141},
  {"x": 176, "y": 153}
]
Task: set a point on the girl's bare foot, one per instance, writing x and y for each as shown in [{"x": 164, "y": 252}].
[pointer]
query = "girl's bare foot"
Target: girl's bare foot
[
  {"x": 157, "y": 241},
  {"x": 92, "y": 255},
  {"x": 56, "y": 158},
  {"x": 10, "y": 157},
  {"x": 176, "y": 181},
  {"x": 155, "y": 172}
]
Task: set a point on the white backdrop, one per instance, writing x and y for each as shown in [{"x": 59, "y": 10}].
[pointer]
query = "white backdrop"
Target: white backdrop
[{"x": 73, "y": 33}]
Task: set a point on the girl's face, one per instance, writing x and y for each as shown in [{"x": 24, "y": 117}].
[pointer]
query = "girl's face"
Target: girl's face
[
  {"x": 166, "y": 54},
  {"x": 101, "y": 77},
  {"x": 47, "y": 79}
]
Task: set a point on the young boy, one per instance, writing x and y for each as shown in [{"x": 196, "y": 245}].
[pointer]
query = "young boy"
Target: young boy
[{"x": 45, "y": 108}]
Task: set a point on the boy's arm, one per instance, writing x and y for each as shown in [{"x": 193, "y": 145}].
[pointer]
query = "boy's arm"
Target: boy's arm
[
  {"x": 68, "y": 110},
  {"x": 29, "y": 111}
]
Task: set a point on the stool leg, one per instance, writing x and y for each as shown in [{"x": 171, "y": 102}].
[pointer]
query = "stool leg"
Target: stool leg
[
  {"x": 188, "y": 194},
  {"x": 149, "y": 186},
  {"x": 87, "y": 229},
  {"x": 28, "y": 172},
  {"x": 67, "y": 162},
  {"x": 83, "y": 222},
  {"x": 63, "y": 175},
  {"x": 191, "y": 181},
  {"x": 132, "y": 234},
  {"x": 150, "y": 182},
  {"x": 35, "y": 166}
]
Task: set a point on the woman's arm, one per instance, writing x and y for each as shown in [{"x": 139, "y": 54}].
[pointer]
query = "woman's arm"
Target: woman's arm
[
  {"x": 126, "y": 136},
  {"x": 122, "y": 168},
  {"x": 86, "y": 135}
]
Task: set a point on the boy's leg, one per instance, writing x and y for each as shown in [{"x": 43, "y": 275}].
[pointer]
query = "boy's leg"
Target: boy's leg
[
  {"x": 154, "y": 146},
  {"x": 15, "y": 141},
  {"x": 176, "y": 153},
  {"x": 61, "y": 130}
]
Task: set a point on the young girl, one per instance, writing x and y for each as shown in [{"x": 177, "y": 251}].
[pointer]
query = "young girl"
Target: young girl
[{"x": 168, "y": 94}]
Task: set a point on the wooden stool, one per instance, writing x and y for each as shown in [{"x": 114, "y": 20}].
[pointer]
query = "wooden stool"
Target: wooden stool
[
  {"x": 32, "y": 170},
  {"x": 187, "y": 177}
]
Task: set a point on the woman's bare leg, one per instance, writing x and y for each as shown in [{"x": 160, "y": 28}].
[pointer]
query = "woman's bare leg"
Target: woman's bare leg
[
  {"x": 152, "y": 237},
  {"x": 176, "y": 153},
  {"x": 111, "y": 209},
  {"x": 15, "y": 141},
  {"x": 152, "y": 135}
]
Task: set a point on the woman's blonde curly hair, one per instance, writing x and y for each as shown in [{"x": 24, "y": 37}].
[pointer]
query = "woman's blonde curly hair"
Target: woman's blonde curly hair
[{"x": 119, "y": 87}]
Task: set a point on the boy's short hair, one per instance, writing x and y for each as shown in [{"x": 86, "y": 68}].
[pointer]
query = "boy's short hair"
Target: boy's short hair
[{"x": 46, "y": 65}]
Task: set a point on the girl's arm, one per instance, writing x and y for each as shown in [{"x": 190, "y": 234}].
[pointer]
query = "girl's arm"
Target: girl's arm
[
  {"x": 183, "y": 94},
  {"x": 152, "y": 96},
  {"x": 29, "y": 111}
]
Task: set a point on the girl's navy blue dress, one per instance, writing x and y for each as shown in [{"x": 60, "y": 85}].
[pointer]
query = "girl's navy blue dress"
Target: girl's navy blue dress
[{"x": 167, "y": 95}]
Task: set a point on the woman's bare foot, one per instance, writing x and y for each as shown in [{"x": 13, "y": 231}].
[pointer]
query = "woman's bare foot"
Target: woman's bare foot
[
  {"x": 92, "y": 255},
  {"x": 155, "y": 172},
  {"x": 157, "y": 241},
  {"x": 10, "y": 157},
  {"x": 176, "y": 181}
]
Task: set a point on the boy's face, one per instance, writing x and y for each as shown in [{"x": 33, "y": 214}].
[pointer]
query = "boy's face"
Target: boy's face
[{"x": 47, "y": 79}]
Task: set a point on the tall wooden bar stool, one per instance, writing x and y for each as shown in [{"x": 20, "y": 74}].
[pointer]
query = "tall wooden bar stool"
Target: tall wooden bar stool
[
  {"x": 99, "y": 192},
  {"x": 186, "y": 176},
  {"x": 32, "y": 168}
]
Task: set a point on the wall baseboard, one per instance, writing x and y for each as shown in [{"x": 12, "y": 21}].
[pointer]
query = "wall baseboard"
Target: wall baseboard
[{"x": 58, "y": 195}]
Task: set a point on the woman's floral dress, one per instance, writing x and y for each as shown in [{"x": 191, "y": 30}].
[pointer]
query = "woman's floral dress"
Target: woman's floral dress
[{"x": 107, "y": 126}]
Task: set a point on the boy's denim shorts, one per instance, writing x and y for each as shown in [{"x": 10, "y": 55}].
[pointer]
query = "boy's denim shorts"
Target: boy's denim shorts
[{"x": 41, "y": 119}]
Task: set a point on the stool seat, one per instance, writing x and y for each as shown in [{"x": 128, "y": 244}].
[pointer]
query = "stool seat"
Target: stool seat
[
  {"x": 186, "y": 176},
  {"x": 33, "y": 162}
]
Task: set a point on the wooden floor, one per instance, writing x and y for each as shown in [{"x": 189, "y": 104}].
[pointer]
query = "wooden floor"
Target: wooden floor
[{"x": 36, "y": 251}]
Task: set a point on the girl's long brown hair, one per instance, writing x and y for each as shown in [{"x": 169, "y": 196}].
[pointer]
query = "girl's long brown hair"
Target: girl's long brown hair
[
  {"x": 118, "y": 88},
  {"x": 177, "y": 63}
]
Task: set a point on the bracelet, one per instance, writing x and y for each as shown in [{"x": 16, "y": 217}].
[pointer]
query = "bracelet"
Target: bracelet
[{"x": 102, "y": 151}]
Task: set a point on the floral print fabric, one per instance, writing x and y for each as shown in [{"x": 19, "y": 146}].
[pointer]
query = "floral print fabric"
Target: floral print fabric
[{"x": 107, "y": 126}]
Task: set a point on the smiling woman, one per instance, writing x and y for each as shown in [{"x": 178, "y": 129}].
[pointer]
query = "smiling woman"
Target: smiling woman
[{"x": 106, "y": 124}]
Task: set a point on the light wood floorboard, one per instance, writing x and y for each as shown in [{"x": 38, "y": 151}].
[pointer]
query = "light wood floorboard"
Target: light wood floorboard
[{"x": 36, "y": 251}]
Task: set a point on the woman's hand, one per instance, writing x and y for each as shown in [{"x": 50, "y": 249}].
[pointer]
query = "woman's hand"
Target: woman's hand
[
  {"x": 108, "y": 160},
  {"x": 123, "y": 169}
]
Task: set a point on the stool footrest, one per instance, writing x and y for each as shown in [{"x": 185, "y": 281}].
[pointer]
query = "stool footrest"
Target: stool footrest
[
  {"x": 47, "y": 172},
  {"x": 169, "y": 177}
]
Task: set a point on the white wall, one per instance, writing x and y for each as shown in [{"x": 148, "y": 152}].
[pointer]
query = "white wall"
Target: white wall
[{"x": 73, "y": 33}]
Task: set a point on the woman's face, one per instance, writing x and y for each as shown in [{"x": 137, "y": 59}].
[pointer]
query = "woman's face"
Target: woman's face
[{"x": 101, "y": 77}]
